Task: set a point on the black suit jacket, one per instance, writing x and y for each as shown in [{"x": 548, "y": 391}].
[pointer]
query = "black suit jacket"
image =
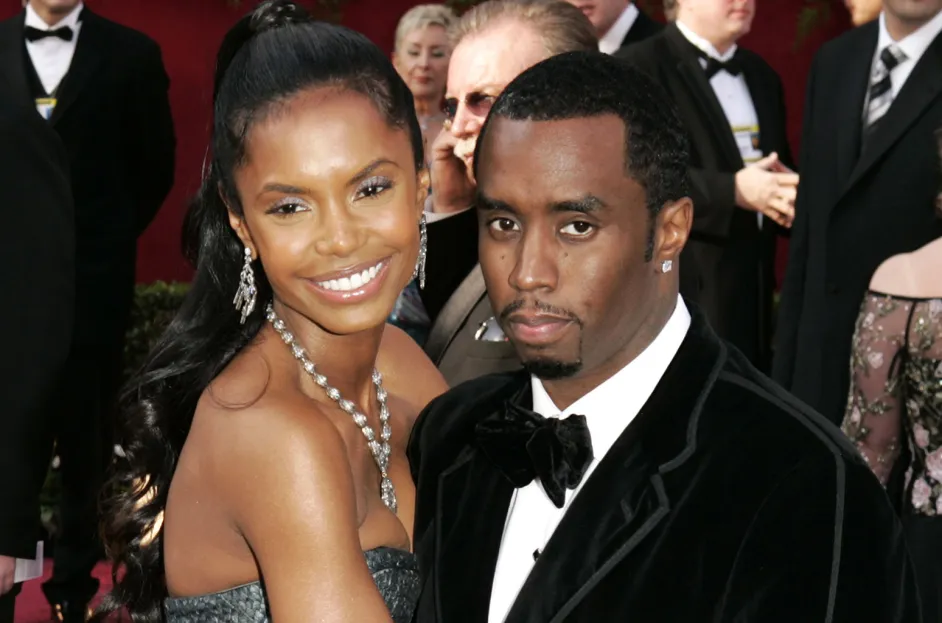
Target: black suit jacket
[
  {"x": 37, "y": 275},
  {"x": 113, "y": 116},
  {"x": 643, "y": 28},
  {"x": 724, "y": 500},
  {"x": 728, "y": 266},
  {"x": 856, "y": 208}
]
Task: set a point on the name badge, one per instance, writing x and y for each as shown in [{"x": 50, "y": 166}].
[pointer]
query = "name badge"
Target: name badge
[
  {"x": 45, "y": 106},
  {"x": 747, "y": 140}
]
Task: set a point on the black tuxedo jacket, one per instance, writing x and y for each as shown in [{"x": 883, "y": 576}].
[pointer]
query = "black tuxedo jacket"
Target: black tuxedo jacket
[
  {"x": 856, "y": 207},
  {"x": 727, "y": 267},
  {"x": 113, "y": 116},
  {"x": 643, "y": 28},
  {"x": 37, "y": 278},
  {"x": 725, "y": 500}
]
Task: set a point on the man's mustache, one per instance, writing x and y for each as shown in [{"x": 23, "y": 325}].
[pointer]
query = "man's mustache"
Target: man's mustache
[{"x": 539, "y": 306}]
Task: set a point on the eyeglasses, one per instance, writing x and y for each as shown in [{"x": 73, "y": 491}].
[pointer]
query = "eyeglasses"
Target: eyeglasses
[{"x": 478, "y": 104}]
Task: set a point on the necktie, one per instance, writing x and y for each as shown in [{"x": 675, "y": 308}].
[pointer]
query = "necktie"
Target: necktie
[
  {"x": 524, "y": 445},
  {"x": 35, "y": 34},
  {"x": 881, "y": 87}
]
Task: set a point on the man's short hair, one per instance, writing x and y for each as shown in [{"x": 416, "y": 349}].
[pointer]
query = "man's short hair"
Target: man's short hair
[
  {"x": 591, "y": 84},
  {"x": 423, "y": 16},
  {"x": 562, "y": 27}
]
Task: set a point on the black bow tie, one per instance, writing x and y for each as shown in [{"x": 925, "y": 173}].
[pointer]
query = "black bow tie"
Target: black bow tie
[
  {"x": 34, "y": 34},
  {"x": 733, "y": 67},
  {"x": 525, "y": 445}
]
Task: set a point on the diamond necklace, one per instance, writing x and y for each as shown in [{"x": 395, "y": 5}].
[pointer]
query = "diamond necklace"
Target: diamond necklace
[{"x": 380, "y": 450}]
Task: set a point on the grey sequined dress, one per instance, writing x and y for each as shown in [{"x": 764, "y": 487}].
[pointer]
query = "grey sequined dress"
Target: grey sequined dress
[{"x": 395, "y": 572}]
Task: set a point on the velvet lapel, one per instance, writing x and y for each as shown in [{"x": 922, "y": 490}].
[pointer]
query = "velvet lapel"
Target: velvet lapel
[
  {"x": 84, "y": 63},
  {"x": 630, "y": 492},
  {"x": 922, "y": 87},
  {"x": 473, "y": 500},
  {"x": 694, "y": 79},
  {"x": 13, "y": 61},
  {"x": 849, "y": 93}
]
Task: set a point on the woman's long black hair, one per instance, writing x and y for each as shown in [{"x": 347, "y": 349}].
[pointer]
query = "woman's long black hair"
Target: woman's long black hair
[{"x": 268, "y": 56}]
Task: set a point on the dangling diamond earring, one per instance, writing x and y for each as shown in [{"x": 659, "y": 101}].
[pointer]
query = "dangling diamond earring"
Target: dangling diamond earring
[
  {"x": 423, "y": 247},
  {"x": 244, "y": 300},
  {"x": 666, "y": 266}
]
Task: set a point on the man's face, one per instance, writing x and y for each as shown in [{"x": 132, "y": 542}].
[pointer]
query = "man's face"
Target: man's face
[
  {"x": 863, "y": 11},
  {"x": 55, "y": 7},
  {"x": 718, "y": 21},
  {"x": 481, "y": 66},
  {"x": 913, "y": 12},
  {"x": 564, "y": 233},
  {"x": 602, "y": 13}
]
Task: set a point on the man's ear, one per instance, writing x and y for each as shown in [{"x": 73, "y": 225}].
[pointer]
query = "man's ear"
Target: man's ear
[{"x": 673, "y": 230}]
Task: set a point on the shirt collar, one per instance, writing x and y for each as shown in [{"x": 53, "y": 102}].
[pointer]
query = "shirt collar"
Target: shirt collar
[
  {"x": 71, "y": 20},
  {"x": 611, "y": 40},
  {"x": 705, "y": 45},
  {"x": 915, "y": 43},
  {"x": 611, "y": 406}
]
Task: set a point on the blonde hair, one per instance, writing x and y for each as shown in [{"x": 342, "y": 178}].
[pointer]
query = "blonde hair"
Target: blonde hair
[
  {"x": 423, "y": 16},
  {"x": 563, "y": 27}
]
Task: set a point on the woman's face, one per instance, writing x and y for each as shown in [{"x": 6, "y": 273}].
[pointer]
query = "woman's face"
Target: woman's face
[
  {"x": 422, "y": 61},
  {"x": 331, "y": 206}
]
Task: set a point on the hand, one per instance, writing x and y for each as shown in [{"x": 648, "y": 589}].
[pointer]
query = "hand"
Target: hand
[
  {"x": 7, "y": 569},
  {"x": 452, "y": 189},
  {"x": 769, "y": 187}
]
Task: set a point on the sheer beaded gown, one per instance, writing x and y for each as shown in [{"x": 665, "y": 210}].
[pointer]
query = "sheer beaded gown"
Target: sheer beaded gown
[{"x": 894, "y": 415}]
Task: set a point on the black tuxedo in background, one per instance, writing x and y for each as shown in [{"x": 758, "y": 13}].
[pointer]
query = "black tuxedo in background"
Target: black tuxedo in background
[
  {"x": 113, "y": 116},
  {"x": 856, "y": 207},
  {"x": 37, "y": 278},
  {"x": 643, "y": 28},
  {"x": 724, "y": 500},
  {"x": 728, "y": 265}
]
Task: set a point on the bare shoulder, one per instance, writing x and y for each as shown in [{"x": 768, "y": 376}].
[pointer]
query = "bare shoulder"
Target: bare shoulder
[
  {"x": 912, "y": 274},
  {"x": 270, "y": 444},
  {"x": 407, "y": 371}
]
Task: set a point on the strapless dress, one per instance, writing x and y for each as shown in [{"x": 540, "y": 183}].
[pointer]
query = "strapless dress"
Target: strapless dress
[{"x": 395, "y": 572}]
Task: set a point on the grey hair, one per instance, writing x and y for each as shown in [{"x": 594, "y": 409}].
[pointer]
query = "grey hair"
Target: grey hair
[
  {"x": 423, "y": 16},
  {"x": 561, "y": 26}
]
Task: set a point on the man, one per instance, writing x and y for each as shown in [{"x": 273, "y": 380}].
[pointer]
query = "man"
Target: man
[
  {"x": 733, "y": 106},
  {"x": 618, "y": 23},
  {"x": 493, "y": 43},
  {"x": 870, "y": 179},
  {"x": 639, "y": 468},
  {"x": 37, "y": 246},
  {"x": 103, "y": 89}
]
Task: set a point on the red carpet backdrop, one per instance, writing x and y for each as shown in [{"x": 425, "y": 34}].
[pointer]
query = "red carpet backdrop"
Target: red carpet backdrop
[{"x": 189, "y": 32}]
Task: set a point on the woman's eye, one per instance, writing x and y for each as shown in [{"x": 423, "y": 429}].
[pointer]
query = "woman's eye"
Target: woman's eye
[
  {"x": 287, "y": 208},
  {"x": 578, "y": 228},
  {"x": 503, "y": 225},
  {"x": 373, "y": 187}
]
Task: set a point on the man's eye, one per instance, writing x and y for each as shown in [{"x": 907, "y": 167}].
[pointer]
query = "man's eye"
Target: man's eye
[
  {"x": 502, "y": 225},
  {"x": 578, "y": 228}
]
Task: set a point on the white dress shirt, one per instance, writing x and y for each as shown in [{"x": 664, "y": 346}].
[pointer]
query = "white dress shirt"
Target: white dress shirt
[
  {"x": 52, "y": 56},
  {"x": 611, "y": 40},
  {"x": 913, "y": 45},
  {"x": 732, "y": 92},
  {"x": 608, "y": 409}
]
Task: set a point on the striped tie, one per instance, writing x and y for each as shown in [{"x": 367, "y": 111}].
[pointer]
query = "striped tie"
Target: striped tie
[{"x": 881, "y": 88}]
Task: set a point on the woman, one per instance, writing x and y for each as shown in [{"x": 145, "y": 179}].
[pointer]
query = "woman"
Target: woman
[
  {"x": 894, "y": 412},
  {"x": 266, "y": 476},
  {"x": 421, "y": 55}
]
